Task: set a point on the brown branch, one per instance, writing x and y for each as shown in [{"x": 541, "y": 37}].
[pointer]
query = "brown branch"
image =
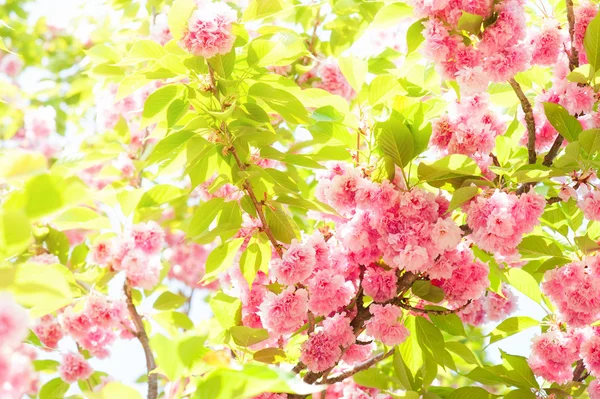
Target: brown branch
[
  {"x": 143, "y": 338},
  {"x": 549, "y": 158},
  {"x": 258, "y": 205},
  {"x": 574, "y": 56},
  {"x": 360, "y": 367},
  {"x": 529, "y": 120},
  {"x": 438, "y": 312},
  {"x": 579, "y": 374},
  {"x": 466, "y": 229}
]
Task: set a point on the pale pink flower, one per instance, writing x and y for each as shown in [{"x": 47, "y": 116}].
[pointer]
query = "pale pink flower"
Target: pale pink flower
[
  {"x": 552, "y": 355},
  {"x": 74, "y": 367},
  {"x": 11, "y": 65},
  {"x": 590, "y": 353},
  {"x": 40, "y": 122},
  {"x": 379, "y": 284},
  {"x": 159, "y": 30},
  {"x": 332, "y": 79},
  {"x": 446, "y": 234},
  {"x": 148, "y": 237},
  {"x": 594, "y": 389},
  {"x": 547, "y": 44},
  {"x": 578, "y": 99},
  {"x": 48, "y": 331},
  {"x": 320, "y": 352},
  {"x": 296, "y": 265},
  {"x": 472, "y": 80},
  {"x": 357, "y": 353},
  {"x": 385, "y": 325},
  {"x": 14, "y": 322},
  {"x": 339, "y": 330},
  {"x": 328, "y": 292},
  {"x": 209, "y": 30},
  {"x": 286, "y": 312},
  {"x": 45, "y": 259}
]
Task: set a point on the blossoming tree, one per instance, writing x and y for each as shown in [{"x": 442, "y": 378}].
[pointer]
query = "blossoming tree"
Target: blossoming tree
[{"x": 361, "y": 191}]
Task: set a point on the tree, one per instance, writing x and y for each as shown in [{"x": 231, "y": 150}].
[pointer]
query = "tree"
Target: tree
[{"x": 361, "y": 191}]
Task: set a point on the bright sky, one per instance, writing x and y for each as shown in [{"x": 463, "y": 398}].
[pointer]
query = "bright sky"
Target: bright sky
[{"x": 127, "y": 361}]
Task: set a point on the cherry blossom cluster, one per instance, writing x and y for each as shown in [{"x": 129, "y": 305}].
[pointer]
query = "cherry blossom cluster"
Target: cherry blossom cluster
[
  {"x": 500, "y": 220},
  {"x": 187, "y": 260},
  {"x": 328, "y": 76},
  {"x": 471, "y": 130},
  {"x": 209, "y": 29},
  {"x": 10, "y": 64},
  {"x": 490, "y": 307},
  {"x": 136, "y": 251},
  {"x": 17, "y": 375},
  {"x": 575, "y": 291},
  {"x": 409, "y": 230},
  {"x": 496, "y": 54},
  {"x": 39, "y": 131}
]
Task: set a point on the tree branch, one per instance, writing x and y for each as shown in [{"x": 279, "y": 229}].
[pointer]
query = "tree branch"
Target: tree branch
[
  {"x": 258, "y": 205},
  {"x": 359, "y": 367},
  {"x": 143, "y": 338},
  {"x": 574, "y": 56},
  {"x": 529, "y": 120},
  {"x": 549, "y": 158},
  {"x": 579, "y": 373},
  {"x": 400, "y": 302}
]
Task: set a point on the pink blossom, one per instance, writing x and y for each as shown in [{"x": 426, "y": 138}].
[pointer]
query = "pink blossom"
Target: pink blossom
[
  {"x": 547, "y": 44},
  {"x": 497, "y": 307},
  {"x": 74, "y": 367},
  {"x": 159, "y": 31},
  {"x": 474, "y": 313},
  {"x": 209, "y": 30},
  {"x": 472, "y": 79},
  {"x": 328, "y": 292},
  {"x": 48, "y": 331},
  {"x": 446, "y": 234},
  {"x": 14, "y": 322},
  {"x": 148, "y": 237},
  {"x": 17, "y": 375},
  {"x": 125, "y": 165},
  {"x": 469, "y": 278},
  {"x": 40, "y": 123},
  {"x": 584, "y": 13},
  {"x": 101, "y": 252},
  {"x": 567, "y": 192},
  {"x": 385, "y": 326},
  {"x": 269, "y": 395},
  {"x": 590, "y": 353},
  {"x": 286, "y": 312},
  {"x": 357, "y": 353},
  {"x": 379, "y": 284},
  {"x": 320, "y": 352},
  {"x": 339, "y": 330},
  {"x": 578, "y": 99},
  {"x": 45, "y": 259},
  {"x": 332, "y": 79},
  {"x": 296, "y": 265},
  {"x": 593, "y": 389},
  {"x": 552, "y": 355},
  {"x": 188, "y": 262},
  {"x": 590, "y": 205},
  {"x": 11, "y": 65},
  {"x": 507, "y": 62}
]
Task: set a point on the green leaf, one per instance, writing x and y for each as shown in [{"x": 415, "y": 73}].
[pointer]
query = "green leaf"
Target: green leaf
[
  {"x": 81, "y": 218},
  {"x": 143, "y": 50},
  {"x": 410, "y": 349},
  {"x": 453, "y": 169},
  {"x": 414, "y": 36},
  {"x": 511, "y": 326},
  {"x": 586, "y": 244},
  {"x": 383, "y": 88},
  {"x": 401, "y": 370},
  {"x": 279, "y": 223},
  {"x": 256, "y": 257},
  {"x": 178, "y": 17},
  {"x": 534, "y": 247},
  {"x": 461, "y": 196},
  {"x": 258, "y": 9},
  {"x": 591, "y": 42},
  {"x": 167, "y": 358},
  {"x": 58, "y": 244},
  {"x": 425, "y": 290},
  {"x": 391, "y": 15},
  {"x": 590, "y": 141},
  {"x": 159, "y": 195},
  {"x": 355, "y": 71},
  {"x": 169, "y": 301},
  {"x": 450, "y": 323},
  {"x": 462, "y": 351},
  {"x": 268, "y": 355},
  {"x": 428, "y": 335},
  {"x": 518, "y": 369},
  {"x": 520, "y": 394},
  {"x": 524, "y": 282},
  {"x": 227, "y": 310},
  {"x": 168, "y": 148},
  {"x": 116, "y": 390},
  {"x": 221, "y": 258},
  {"x": 204, "y": 216},
  {"x": 567, "y": 125},
  {"x": 223, "y": 64},
  {"x": 15, "y": 233},
  {"x": 157, "y": 104},
  {"x": 281, "y": 101},
  {"x": 171, "y": 319},
  {"x": 246, "y": 336},
  {"x": 470, "y": 22},
  {"x": 54, "y": 389},
  {"x": 395, "y": 140},
  {"x": 469, "y": 393},
  {"x": 47, "y": 187}
]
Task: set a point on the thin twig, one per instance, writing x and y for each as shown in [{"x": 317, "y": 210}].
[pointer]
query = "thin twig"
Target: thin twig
[
  {"x": 258, "y": 205},
  {"x": 401, "y": 302},
  {"x": 143, "y": 338},
  {"x": 574, "y": 56},
  {"x": 529, "y": 120},
  {"x": 579, "y": 373},
  {"x": 360, "y": 367}
]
